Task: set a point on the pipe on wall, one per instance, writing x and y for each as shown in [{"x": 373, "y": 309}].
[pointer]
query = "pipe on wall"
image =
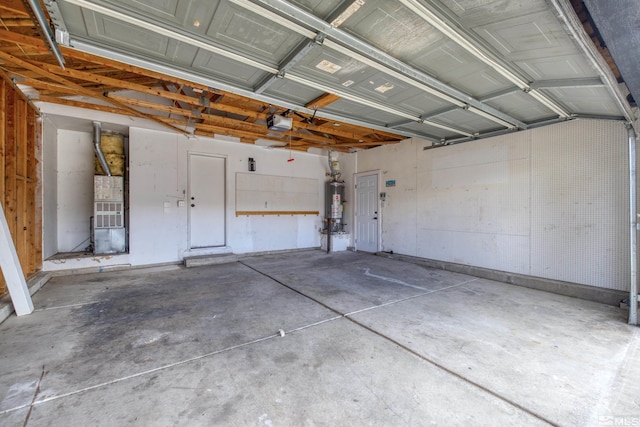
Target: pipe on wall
[
  {"x": 633, "y": 231},
  {"x": 97, "y": 132}
]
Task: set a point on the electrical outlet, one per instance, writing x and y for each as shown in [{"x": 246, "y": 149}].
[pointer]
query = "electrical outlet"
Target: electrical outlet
[{"x": 181, "y": 203}]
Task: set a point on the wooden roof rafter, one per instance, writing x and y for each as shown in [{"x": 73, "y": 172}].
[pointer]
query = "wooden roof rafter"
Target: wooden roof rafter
[{"x": 174, "y": 102}]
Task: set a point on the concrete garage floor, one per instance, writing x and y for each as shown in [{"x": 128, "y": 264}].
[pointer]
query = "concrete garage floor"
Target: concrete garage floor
[{"x": 367, "y": 341}]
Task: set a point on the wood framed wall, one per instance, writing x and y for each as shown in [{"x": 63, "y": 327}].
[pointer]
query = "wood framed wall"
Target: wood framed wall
[{"x": 19, "y": 136}]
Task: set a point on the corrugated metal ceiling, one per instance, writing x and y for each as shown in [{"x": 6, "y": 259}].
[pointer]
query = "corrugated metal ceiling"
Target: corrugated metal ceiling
[{"x": 446, "y": 71}]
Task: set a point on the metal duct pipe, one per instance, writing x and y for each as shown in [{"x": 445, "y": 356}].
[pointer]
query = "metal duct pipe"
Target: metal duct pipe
[
  {"x": 633, "y": 231},
  {"x": 97, "y": 133}
]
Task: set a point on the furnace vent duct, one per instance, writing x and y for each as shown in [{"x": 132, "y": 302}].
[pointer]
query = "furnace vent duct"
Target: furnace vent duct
[{"x": 97, "y": 133}]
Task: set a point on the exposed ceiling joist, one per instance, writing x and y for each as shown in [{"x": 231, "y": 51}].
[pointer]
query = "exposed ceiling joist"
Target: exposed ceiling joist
[
  {"x": 99, "y": 78},
  {"x": 13, "y": 8},
  {"x": 322, "y": 101},
  {"x": 433, "y": 70},
  {"x": 65, "y": 82}
]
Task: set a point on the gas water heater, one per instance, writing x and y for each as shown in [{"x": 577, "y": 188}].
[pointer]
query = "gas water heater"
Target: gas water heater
[
  {"x": 334, "y": 199},
  {"x": 334, "y": 206}
]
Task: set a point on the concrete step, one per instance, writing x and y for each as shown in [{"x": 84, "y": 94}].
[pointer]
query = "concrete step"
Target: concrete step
[{"x": 200, "y": 260}]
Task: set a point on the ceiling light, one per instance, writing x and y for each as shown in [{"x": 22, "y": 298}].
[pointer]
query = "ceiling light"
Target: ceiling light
[{"x": 196, "y": 23}]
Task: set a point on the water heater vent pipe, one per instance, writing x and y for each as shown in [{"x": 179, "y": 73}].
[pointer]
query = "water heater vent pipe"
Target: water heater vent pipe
[{"x": 97, "y": 133}]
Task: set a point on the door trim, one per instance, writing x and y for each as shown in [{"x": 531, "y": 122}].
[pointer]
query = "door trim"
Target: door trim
[
  {"x": 226, "y": 200},
  {"x": 375, "y": 172}
]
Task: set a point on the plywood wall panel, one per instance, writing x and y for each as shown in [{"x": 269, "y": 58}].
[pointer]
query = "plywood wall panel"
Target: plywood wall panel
[
  {"x": 10, "y": 163},
  {"x": 3, "y": 133},
  {"x": 19, "y": 168}
]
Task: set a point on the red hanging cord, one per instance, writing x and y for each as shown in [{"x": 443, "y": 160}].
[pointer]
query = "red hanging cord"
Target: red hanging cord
[{"x": 291, "y": 159}]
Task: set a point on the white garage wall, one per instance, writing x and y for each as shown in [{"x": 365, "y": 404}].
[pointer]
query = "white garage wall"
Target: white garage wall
[
  {"x": 347, "y": 169},
  {"x": 579, "y": 229},
  {"x": 74, "y": 189},
  {"x": 158, "y": 162},
  {"x": 49, "y": 189},
  {"x": 550, "y": 202},
  {"x": 158, "y": 179}
]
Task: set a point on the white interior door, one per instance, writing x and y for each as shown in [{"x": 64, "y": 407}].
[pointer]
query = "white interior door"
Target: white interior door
[
  {"x": 367, "y": 212},
  {"x": 206, "y": 201}
]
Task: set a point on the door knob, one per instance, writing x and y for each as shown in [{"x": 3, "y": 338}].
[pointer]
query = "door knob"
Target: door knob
[
  {"x": 193, "y": 205},
  {"x": 375, "y": 217},
  {"x": 193, "y": 198}
]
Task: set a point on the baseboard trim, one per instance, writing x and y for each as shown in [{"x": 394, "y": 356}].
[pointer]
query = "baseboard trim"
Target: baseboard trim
[{"x": 575, "y": 290}]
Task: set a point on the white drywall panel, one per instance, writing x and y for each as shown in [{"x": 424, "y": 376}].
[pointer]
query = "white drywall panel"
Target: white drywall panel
[
  {"x": 579, "y": 218},
  {"x": 49, "y": 189},
  {"x": 158, "y": 178},
  {"x": 473, "y": 203},
  {"x": 348, "y": 169},
  {"x": 398, "y": 171},
  {"x": 550, "y": 202},
  {"x": 157, "y": 226},
  {"x": 75, "y": 190}
]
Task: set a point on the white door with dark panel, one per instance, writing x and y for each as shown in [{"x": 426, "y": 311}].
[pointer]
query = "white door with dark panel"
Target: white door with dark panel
[
  {"x": 367, "y": 212},
  {"x": 206, "y": 201}
]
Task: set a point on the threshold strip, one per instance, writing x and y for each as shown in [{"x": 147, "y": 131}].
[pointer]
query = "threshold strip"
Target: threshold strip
[{"x": 408, "y": 349}]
